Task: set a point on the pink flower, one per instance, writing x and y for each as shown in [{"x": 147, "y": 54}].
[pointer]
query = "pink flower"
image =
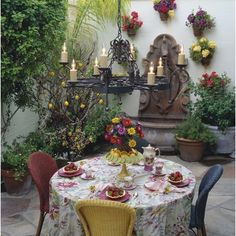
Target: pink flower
[
  {"x": 209, "y": 83},
  {"x": 107, "y": 137},
  {"x": 134, "y": 14},
  {"x": 119, "y": 141},
  {"x": 214, "y": 74},
  {"x": 140, "y": 23},
  {"x": 121, "y": 131},
  {"x": 205, "y": 76}
]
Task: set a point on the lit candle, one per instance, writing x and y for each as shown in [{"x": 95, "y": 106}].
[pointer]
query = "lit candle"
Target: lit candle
[
  {"x": 64, "y": 54},
  {"x": 160, "y": 68},
  {"x": 73, "y": 71},
  {"x": 151, "y": 75},
  {"x": 95, "y": 68},
  {"x": 132, "y": 51},
  {"x": 103, "y": 59},
  {"x": 181, "y": 56}
]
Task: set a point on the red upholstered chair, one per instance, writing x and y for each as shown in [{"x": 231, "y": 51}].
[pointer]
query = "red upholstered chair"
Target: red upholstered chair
[{"x": 42, "y": 167}]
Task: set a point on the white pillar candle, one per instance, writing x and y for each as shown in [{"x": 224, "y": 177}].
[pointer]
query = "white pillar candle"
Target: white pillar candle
[
  {"x": 132, "y": 51},
  {"x": 151, "y": 75},
  {"x": 64, "y": 54},
  {"x": 103, "y": 59},
  {"x": 160, "y": 68},
  {"x": 95, "y": 68},
  {"x": 73, "y": 71},
  {"x": 181, "y": 56}
]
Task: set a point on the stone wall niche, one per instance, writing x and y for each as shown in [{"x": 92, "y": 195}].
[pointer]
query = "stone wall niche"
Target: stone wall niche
[{"x": 157, "y": 115}]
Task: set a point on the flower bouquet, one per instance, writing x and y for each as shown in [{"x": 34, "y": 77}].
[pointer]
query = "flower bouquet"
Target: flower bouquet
[
  {"x": 121, "y": 132},
  {"x": 200, "y": 21},
  {"x": 202, "y": 51},
  {"x": 131, "y": 23},
  {"x": 165, "y": 8}
]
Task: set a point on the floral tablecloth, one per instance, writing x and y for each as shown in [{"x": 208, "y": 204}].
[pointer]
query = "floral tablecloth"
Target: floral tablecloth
[{"x": 157, "y": 213}]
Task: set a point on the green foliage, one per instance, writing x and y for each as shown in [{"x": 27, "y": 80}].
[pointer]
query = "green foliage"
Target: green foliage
[
  {"x": 32, "y": 34},
  {"x": 215, "y": 104},
  {"x": 192, "y": 128}
]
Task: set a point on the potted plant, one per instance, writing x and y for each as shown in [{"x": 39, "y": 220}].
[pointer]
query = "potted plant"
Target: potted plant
[
  {"x": 165, "y": 8},
  {"x": 200, "y": 22},
  {"x": 191, "y": 137},
  {"x": 215, "y": 106},
  {"x": 131, "y": 24},
  {"x": 202, "y": 51}
]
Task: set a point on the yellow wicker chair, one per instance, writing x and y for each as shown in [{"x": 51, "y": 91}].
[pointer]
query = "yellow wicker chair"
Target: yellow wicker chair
[{"x": 105, "y": 218}]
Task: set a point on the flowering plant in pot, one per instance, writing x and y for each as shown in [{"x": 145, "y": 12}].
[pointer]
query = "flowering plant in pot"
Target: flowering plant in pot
[
  {"x": 131, "y": 24},
  {"x": 121, "y": 132},
  {"x": 192, "y": 136},
  {"x": 165, "y": 8},
  {"x": 200, "y": 21},
  {"x": 215, "y": 106},
  {"x": 202, "y": 51}
]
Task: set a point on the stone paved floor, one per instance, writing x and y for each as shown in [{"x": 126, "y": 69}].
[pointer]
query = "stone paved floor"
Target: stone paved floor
[{"x": 19, "y": 215}]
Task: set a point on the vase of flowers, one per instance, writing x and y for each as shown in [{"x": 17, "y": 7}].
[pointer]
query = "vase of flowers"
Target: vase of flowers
[
  {"x": 200, "y": 21},
  {"x": 131, "y": 24},
  {"x": 202, "y": 51},
  {"x": 121, "y": 133},
  {"x": 215, "y": 106},
  {"x": 165, "y": 8}
]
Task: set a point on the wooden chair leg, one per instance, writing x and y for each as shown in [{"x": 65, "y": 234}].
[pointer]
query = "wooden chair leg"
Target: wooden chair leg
[
  {"x": 199, "y": 232},
  {"x": 40, "y": 224},
  {"x": 204, "y": 230}
]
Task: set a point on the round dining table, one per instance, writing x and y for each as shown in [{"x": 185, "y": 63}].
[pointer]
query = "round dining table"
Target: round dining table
[{"x": 158, "y": 212}]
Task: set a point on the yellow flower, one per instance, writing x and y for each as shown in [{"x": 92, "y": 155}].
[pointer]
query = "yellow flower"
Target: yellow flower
[
  {"x": 193, "y": 45},
  {"x": 50, "y": 105},
  {"x": 76, "y": 97},
  {"x": 202, "y": 40},
  {"x": 64, "y": 143},
  {"x": 156, "y": 1},
  {"x": 63, "y": 84},
  {"x": 66, "y": 103},
  {"x": 211, "y": 44},
  {"x": 131, "y": 131},
  {"x": 197, "y": 49},
  {"x": 78, "y": 146},
  {"x": 205, "y": 53},
  {"x": 132, "y": 143},
  {"x": 82, "y": 106},
  {"x": 80, "y": 65},
  {"x": 171, "y": 13},
  {"x": 69, "y": 133},
  {"x": 115, "y": 120},
  {"x": 100, "y": 101},
  {"x": 91, "y": 139},
  {"x": 98, "y": 94},
  {"x": 51, "y": 73}
]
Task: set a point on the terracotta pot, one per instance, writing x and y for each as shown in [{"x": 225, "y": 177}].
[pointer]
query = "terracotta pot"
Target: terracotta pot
[
  {"x": 16, "y": 187},
  {"x": 131, "y": 32},
  {"x": 206, "y": 61},
  {"x": 190, "y": 150},
  {"x": 197, "y": 31},
  {"x": 164, "y": 16}
]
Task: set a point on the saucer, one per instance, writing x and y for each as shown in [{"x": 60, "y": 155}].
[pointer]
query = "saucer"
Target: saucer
[
  {"x": 160, "y": 174},
  {"x": 102, "y": 195},
  {"x": 83, "y": 176},
  {"x": 77, "y": 173},
  {"x": 133, "y": 186}
]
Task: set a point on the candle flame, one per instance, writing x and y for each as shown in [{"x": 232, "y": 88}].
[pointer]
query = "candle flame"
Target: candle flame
[
  {"x": 96, "y": 61},
  {"x": 151, "y": 68},
  {"x": 64, "y": 47},
  {"x": 73, "y": 64},
  {"x": 181, "y": 49},
  {"x": 103, "y": 51},
  {"x": 160, "y": 61}
]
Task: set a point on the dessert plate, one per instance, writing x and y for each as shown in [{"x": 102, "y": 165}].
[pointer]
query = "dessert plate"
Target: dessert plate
[
  {"x": 77, "y": 173},
  {"x": 102, "y": 195},
  {"x": 160, "y": 174},
  {"x": 184, "y": 183}
]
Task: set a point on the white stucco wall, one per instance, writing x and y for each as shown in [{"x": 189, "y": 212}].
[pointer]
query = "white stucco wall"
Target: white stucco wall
[{"x": 223, "y": 34}]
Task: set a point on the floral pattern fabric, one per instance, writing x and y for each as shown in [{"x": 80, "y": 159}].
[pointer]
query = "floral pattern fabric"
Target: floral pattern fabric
[{"x": 157, "y": 213}]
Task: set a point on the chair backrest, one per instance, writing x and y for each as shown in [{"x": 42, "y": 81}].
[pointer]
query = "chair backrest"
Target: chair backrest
[
  {"x": 208, "y": 181},
  {"x": 140, "y": 142},
  {"x": 42, "y": 167},
  {"x": 105, "y": 218}
]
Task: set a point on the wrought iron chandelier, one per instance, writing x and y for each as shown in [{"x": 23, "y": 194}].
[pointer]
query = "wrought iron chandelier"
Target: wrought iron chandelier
[{"x": 104, "y": 82}]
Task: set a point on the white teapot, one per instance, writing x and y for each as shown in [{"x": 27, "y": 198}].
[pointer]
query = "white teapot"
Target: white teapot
[{"x": 149, "y": 157}]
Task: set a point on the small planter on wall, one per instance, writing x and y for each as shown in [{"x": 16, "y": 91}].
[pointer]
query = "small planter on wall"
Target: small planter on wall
[
  {"x": 131, "y": 32},
  {"x": 163, "y": 16},
  {"x": 197, "y": 31},
  {"x": 206, "y": 61}
]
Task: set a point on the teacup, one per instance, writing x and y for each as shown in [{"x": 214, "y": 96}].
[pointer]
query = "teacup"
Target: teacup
[
  {"x": 128, "y": 181},
  {"x": 158, "y": 167},
  {"x": 88, "y": 173}
]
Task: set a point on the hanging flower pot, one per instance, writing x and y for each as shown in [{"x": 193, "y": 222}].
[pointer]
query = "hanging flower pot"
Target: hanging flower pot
[
  {"x": 131, "y": 32},
  {"x": 197, "y": 31},
  {"x": 164, "y": 16},
  {"x": 206, "y": 61}
]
